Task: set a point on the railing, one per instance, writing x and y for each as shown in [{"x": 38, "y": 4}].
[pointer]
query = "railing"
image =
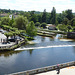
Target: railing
[{"x": 44, "y": 69}]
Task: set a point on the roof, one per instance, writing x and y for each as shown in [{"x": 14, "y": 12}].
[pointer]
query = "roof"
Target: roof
[{"x": 4, "y": 14}]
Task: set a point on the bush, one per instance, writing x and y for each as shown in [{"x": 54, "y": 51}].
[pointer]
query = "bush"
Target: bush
[
  {"x": 43, "y": 25},
  {"x": 37, "y": 24}
]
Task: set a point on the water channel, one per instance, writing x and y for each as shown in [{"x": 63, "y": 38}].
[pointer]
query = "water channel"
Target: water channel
[{"x": 22, "y": 60}]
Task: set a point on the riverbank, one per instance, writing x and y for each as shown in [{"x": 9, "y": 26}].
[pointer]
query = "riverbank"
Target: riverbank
[{"x": 12, "y": 47}]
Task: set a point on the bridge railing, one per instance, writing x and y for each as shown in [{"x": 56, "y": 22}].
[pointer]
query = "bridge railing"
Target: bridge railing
[{"x": 44, "y": 69}]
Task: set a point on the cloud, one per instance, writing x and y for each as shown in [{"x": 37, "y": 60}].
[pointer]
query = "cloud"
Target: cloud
[{"x": 38, "y": 5}]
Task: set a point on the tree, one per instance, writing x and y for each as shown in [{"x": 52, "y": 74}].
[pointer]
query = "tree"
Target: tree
[
  {"x": 65, "y": 21},
  {"x": 20, "y": 22},
  {"x": 37, "y": 24},
  {"x": 62, "y": 27},
  {"x": 31, "y": 30},
  {"x": 48, "y": 18},
  {"x": 53, "y": 16},
  {"x": 59, "y": 18},
  {"x": 44, "y": 16},
  {"x": 69, "y": 27},
  {"x": 27, "y": 14},
  {"x": 43, "y": 25},
  {"x": 33, "y": 17},
  {"x": 69, "y": 14},
  {"x": 8, "y": 34},
  {"x": 39, "y": 18},
  {"x": 73, "y": 22},
  {"x": 11, "y": 21},
  {"x": 5, "y": 20}
]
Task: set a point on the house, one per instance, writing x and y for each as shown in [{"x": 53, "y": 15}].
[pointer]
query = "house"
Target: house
[
  {"x": 13, "y": 15},
  {"x": 51, "y": 27},
  {"x": 4, "y": 15}
]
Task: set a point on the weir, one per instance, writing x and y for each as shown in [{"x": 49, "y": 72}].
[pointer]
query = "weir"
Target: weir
[{"x": 50, "y": 44}]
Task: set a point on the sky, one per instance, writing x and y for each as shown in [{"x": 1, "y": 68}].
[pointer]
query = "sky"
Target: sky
[{"x": 38, "y": 5}]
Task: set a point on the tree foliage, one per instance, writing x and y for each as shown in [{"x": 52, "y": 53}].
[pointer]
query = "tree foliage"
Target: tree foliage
[
  {"x": 44, "y": 16},
  {"x": 20, "y": 22},
  {"x": 69, "y": 14},
  {"x": 37, "y": 24},
  {"x": 5, "y": 20},
  {"x": 53, "y": 16},
  {"x": 31, "y": 30},
  {"x": 43, "y": 25}
]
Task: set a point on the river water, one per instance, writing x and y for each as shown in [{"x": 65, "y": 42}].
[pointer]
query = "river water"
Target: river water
[{"x": 22, "y": 60}]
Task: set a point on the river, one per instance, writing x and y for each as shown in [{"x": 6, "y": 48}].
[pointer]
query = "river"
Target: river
[{"x": 22, "y": 60}]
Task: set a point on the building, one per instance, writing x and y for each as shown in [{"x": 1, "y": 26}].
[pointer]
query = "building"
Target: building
[
  {"x": 4, "y": 15},
  {"x": 51, "y": 27}
]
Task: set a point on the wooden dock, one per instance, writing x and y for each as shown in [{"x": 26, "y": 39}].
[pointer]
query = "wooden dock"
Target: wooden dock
[{"x": 44, "y": 69}]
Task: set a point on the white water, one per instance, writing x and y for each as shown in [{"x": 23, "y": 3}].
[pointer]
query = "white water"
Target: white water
[{"x": 44, "y": 47}]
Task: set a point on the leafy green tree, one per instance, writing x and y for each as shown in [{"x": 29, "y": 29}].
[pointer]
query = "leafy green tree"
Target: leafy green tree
[
  {"x": 27, "y": 14},
  {"x": 31, "y": 30},
  {"x": 48, "y": 18},
  {"x": 44, "y": 16},
  {"x": 5, "y": 20},
  {"x": 65, "y": 21},
  {"x": 69, "y": 14},
  {"x": 69, "y": 28},
  {"x": 74, "y": 29},
  {"x": 39, "y": 18},
  {"x": 8, "y": 34},
  {"x": 37, "y": 24},
  {"x": 59, "y": 18},
  {"x": 33, "y": 17},
  {"x": 43, "y": 25},
  {"x": 11, "y": 21},
  {"x": 20, "y": 22},
  {"x": 53, "y": 16},
  {"x": 66, "y": 28},
  {"x": 73, "y": 22}
]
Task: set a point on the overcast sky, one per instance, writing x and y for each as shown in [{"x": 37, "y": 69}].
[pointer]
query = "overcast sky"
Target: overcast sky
[{"x": 38, "y": 5}]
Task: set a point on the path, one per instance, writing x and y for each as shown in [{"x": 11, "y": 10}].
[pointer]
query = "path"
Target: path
[{"x": 64, "y": 71}]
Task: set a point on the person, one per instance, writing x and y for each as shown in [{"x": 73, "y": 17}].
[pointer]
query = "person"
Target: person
[
  {"x": 58, "y": 69},
  {"x": 1, "y": 40}
]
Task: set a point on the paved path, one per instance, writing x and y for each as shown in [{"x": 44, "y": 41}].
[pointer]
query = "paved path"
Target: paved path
[{"x": 64, "y": 71}]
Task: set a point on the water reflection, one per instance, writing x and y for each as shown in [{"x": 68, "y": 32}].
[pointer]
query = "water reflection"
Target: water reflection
[
  {"x": 30, "y": 51},
  {"x": 42, "y": 38},
  {"x": 74, "y": 49},
  {"x": 8, "y": 53}
]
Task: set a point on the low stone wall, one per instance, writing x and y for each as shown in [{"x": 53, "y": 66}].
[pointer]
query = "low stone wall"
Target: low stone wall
[{"x": 44, "y": 69}]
